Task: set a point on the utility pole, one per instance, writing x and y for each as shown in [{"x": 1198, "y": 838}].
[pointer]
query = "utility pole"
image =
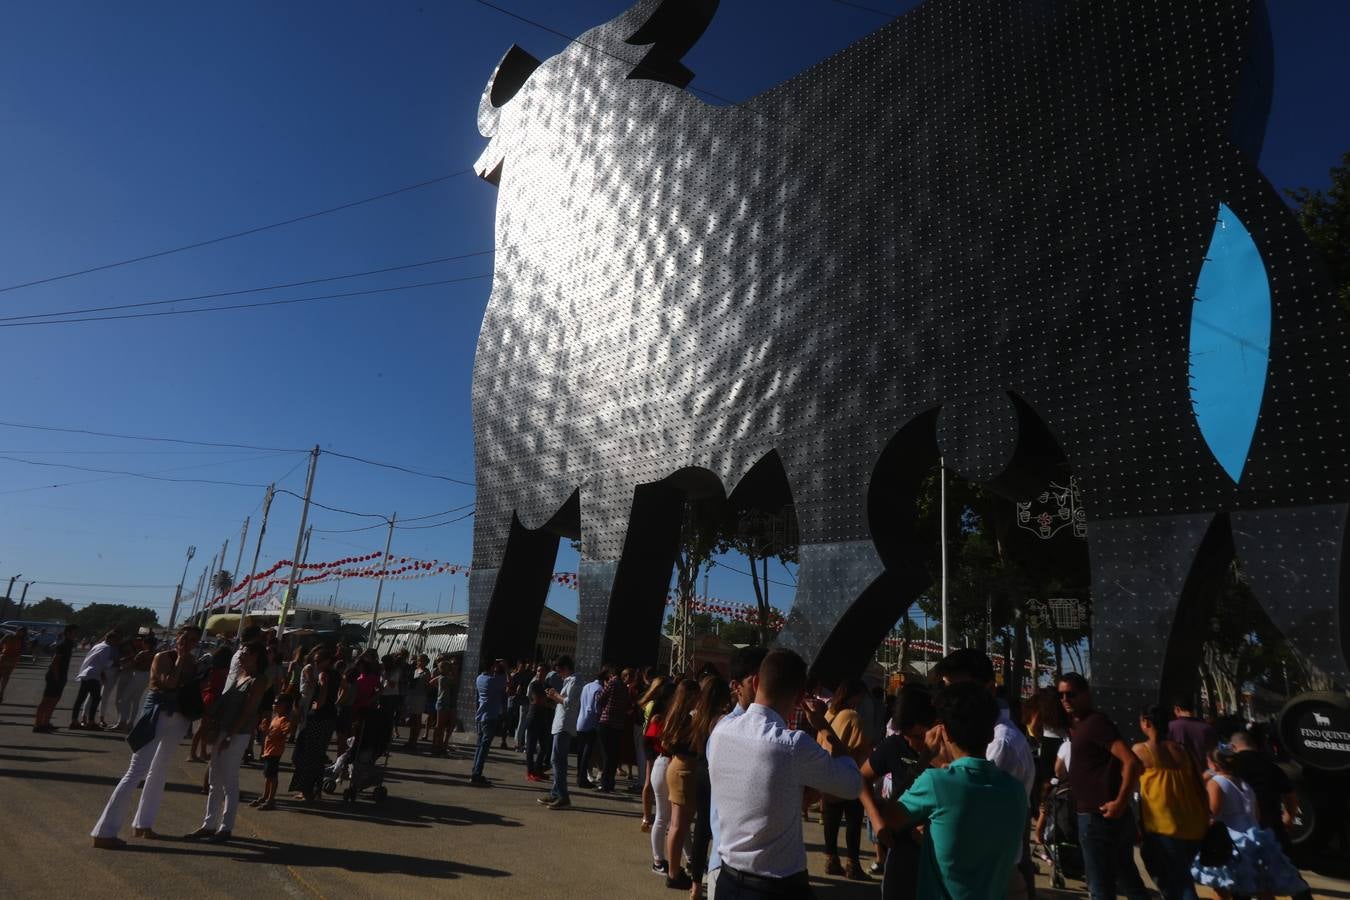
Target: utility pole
[
  {"x": 178, "y": 592},
  {"x": 196, "y": 597},
  {"x": 23, "y": 598},
  {"x": 10, "y": 590},
  {"x": 304, "y": 558},
  {"x": 257, "y": 549},
  {"x": 224, "y": 549},
  {"x": 238, "y": 558},
  {"x": 942, "y": 503},
  {"x": 199, "y": 603},
  {"x": 299, "y": 541},
  {"x": 379, "y": 588}
]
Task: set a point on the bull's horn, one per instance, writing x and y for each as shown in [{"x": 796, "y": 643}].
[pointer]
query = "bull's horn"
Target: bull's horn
[
  {"x": 666, "y": 30},
  {"x": 509, "y": 77}
]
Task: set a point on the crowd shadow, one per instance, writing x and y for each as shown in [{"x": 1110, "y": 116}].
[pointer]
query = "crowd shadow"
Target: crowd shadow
[
  {"x": 271, "y": 852},
  {"x": 400, "y": 811}
]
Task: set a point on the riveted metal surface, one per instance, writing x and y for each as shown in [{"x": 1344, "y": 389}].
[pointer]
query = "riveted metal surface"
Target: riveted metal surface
[{"x": 982, "y": 198}]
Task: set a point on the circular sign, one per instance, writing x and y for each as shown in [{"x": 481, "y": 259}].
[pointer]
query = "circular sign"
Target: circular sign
[{"x": 1316, "y": 730}]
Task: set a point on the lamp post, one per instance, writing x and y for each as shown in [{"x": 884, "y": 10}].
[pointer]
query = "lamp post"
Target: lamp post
[
  {"x": 178, "y": 592},
  {"x": 23, "y": 598}
]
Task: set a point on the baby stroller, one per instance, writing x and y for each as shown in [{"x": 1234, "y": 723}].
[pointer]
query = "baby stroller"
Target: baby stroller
[
  {"x": 361, "y": 765},
  {"x": 1061, "y": 837}
]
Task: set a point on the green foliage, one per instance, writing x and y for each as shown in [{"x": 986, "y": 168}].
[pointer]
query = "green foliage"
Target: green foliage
[
  {"x": 740, "y": 633},
  {"x": 1325, "y": 216},
  {"x": 50, "y": 609},
  {"x": 97, "y": 618}
]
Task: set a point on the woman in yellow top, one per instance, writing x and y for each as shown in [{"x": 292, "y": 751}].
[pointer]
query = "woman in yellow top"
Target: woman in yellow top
[
  {"x": 1173, "y": 814},
  {"x": 842, "y": 714}
]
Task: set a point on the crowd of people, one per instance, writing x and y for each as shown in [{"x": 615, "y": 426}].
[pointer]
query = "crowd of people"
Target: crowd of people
[{"x": 957, "y": 794}]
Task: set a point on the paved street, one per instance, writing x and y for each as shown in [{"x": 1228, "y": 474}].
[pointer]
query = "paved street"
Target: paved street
[{"x": 434, "y": 835}]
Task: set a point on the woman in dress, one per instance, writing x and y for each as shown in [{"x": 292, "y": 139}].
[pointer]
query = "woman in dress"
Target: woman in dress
[
  {"x": 1257, "y": 867},
  {"x": 174, "y": 700},
  {"x": 842, "y": 714},
  {"x": 677, "y": 744},
  {"x": 311, "y": 747},
  {"x": 236, "y": 718},
  {"x": 1174, "y": 812}
]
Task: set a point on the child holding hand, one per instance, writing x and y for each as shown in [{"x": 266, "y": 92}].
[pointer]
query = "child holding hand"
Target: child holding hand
[{"x": 279, "y": 730}]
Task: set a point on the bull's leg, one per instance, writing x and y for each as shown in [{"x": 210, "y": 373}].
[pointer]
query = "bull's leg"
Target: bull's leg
[
  {"x": 605, "y": 512},
  {"x": 1295, "y": 560},
  {"x": 505, "y": 600},
  {"x": 1140, "y": 568}
]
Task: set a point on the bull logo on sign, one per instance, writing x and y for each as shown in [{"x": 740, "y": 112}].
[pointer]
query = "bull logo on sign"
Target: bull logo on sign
[{"x": 1029, "y": 236}]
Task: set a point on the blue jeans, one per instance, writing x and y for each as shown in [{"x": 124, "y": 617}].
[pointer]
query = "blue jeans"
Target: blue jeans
[
  {"x": 561, "y": 740},
  {"x": 1108, "y": 856},
  {"x": 487, "y": 729},
  {"x": 1168, "y": 860}
]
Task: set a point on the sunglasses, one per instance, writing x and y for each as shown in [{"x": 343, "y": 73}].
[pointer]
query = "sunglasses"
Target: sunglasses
[{"x": 1068, "y": 693}]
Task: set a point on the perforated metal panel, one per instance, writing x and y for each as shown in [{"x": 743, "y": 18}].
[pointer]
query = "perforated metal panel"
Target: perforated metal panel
[{"x": 994, "y": 208}]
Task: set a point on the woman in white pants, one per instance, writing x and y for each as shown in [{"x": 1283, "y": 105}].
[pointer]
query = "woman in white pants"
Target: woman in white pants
[
  {"x": 169, "y": 671},
  {"x": 236, "y": 715},
  {"x": 115, "y": 681}
]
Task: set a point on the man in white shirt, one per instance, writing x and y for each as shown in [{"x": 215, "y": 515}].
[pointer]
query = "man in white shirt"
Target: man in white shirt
[
  {"x": 568, "y": 700},
  {"x": 745, "y": 664},
  {"x": 1009, "y": 750},
  {"x": 758, "y": 768},
  {"x": 100, "y": 659}
]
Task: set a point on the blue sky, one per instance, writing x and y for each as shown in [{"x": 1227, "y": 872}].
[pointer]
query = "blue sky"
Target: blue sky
[{"x": 124, "y": 134}]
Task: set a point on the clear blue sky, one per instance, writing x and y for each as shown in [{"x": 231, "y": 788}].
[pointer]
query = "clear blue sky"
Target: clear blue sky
[{"x": 123, "y": 133}]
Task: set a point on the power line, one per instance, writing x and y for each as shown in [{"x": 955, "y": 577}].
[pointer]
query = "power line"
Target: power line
[
  {"x": 223, "y": 444},
  {"x": 467, "y": 515},
  {"x": 335, "y": 509},
  {"x": 87, "y": 584},
  {"x": 253, "y": 290},
  {"x": 146, "y": 475},
  {"x": 383, "y": 465},
  {"x": 237, "y": 234},
  {"x": 260, "y": 304}
]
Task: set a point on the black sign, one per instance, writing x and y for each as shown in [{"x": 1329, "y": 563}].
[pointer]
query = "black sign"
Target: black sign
[{"x": 1316, "y": 730}]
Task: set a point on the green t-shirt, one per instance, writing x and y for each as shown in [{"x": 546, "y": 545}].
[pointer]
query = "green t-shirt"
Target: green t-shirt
[{"x": 976, "y": 815}]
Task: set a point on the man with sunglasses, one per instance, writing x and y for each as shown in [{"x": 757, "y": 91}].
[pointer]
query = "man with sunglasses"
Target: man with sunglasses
[{"x": 1102, "y": 777}]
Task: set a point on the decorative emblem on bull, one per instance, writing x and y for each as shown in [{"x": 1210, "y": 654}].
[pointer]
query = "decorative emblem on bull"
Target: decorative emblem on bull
[{"x": 1027, "y": 235}]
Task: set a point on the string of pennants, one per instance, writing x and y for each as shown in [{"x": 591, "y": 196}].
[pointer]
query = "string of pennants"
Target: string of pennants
[{"x": 723, "y": 609}]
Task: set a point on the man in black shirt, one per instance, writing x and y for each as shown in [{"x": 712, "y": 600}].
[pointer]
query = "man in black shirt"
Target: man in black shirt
[
  {"x": 1102, "y": 777},
  {"x": 903, "y": 756},
  {"x": 56, "y": 676}
]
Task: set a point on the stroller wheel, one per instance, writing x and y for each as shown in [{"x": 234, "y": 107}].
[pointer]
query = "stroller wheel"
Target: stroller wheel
[
  {"x": 380, "y": 793},
  {"x": 329, "y": 786}
]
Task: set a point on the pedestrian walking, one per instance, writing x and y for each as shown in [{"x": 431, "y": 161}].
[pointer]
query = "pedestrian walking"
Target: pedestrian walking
[
  {"x": 1173, "y": 811},
  {"x": 54, "y": 681},
  {"x": 588, "y": 724},
  {"x": 491, "y": 688},
  {"x": 1102, "y": 775},
  {"x": 567, "y": 704}
]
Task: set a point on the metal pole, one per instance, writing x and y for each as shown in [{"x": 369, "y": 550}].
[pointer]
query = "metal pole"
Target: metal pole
[
  {"x": 178, "y": 592},
  {"x": 299, "y": 540},
  {"x": 224, "y": 549},
  {"x": 197, "y": 602},
  {"x": 379, "y": 588},
  {"x": 257, "y": 549},
  {"x": 10, "y": 590},
  {"x": 304, "y": 558},
  {"x": 239, "y": 557},
  {"x": 942, "y": 504},
  {"x": 23, "y": 598}
]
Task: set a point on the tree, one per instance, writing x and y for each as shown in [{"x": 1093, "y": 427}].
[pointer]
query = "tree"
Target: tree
[
  {"x": 222, "y": 582},
  {"x": 96, "y": 619},
  {"x": 760, "y": 536},
  {"x": 698, "y": 541},
  {"x": 1325, "y": 216},
  {"x": 50, "y": 609},
  {"x": 740, "y": 633}
]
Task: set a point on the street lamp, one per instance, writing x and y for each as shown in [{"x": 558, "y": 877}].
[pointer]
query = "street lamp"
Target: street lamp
[
  {"x": 10, "y": 590},
  {"x": 23, "y": 598},
  {"x": 178, "y": 593}
]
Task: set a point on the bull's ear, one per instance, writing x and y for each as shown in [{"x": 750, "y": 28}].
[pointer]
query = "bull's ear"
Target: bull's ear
[
  {"x": 670, "y": 29},
  {"x": 508, "y": 78}
]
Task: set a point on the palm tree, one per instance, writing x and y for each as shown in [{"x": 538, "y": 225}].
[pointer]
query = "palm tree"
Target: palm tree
[{"x": 222, "y": 582}]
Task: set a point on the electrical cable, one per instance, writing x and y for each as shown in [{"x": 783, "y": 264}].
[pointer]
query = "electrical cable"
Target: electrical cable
[
  {"x": 383, "y": 465},
  {"x": 258, "y": 305},
  {"x": 121, "y": 473},
  {"x": 467, "y": 515},
  {"x": 237, "y": 234}
]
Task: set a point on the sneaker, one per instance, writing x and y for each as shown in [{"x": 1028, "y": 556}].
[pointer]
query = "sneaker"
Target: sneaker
[
  {"x": 877, "y": 868},
  {"x": 680, "y": 882},
  {"x": 560, "y": 804},
  {"x": 853, "y": 871},
  {"x": 832, "y": 866},
  {"x": 661, "y": 867},
  {"x": 546, "y": 801}
]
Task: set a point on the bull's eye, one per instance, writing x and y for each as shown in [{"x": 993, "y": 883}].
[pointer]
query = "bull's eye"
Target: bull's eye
[{"x": 512, "y": 73}]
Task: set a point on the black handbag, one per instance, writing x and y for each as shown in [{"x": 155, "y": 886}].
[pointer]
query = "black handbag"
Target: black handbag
[
  {"x": 1217, "y": 847},
  {"x": 190, "y": 704}
]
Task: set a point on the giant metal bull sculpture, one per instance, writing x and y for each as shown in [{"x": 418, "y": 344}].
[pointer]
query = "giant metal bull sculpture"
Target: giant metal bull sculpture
[{"x": 1016, "y": 233}]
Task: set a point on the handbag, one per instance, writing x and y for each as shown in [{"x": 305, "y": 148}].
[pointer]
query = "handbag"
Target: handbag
[
  {"x": 1217, "y": 847},
  {"x": 143, "y": 732}
]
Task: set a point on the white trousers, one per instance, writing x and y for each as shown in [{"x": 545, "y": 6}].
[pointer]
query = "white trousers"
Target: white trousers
[
  {"x": 151, "y": 763},
  {"x": 129, "y": 693},
  {"x": 115, "y": 683},
  {"x": 661, "y": 823},
  {"x": 223, "y": 803}
]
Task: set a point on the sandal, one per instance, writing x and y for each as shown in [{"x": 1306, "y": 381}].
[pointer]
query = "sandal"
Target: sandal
[
  {"x": 264, "y": 807},
  {"x": 646, "y": 826}
]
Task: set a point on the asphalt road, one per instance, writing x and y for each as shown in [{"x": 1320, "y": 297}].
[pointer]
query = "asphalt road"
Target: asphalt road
[{"x": 434, "y": 835}]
